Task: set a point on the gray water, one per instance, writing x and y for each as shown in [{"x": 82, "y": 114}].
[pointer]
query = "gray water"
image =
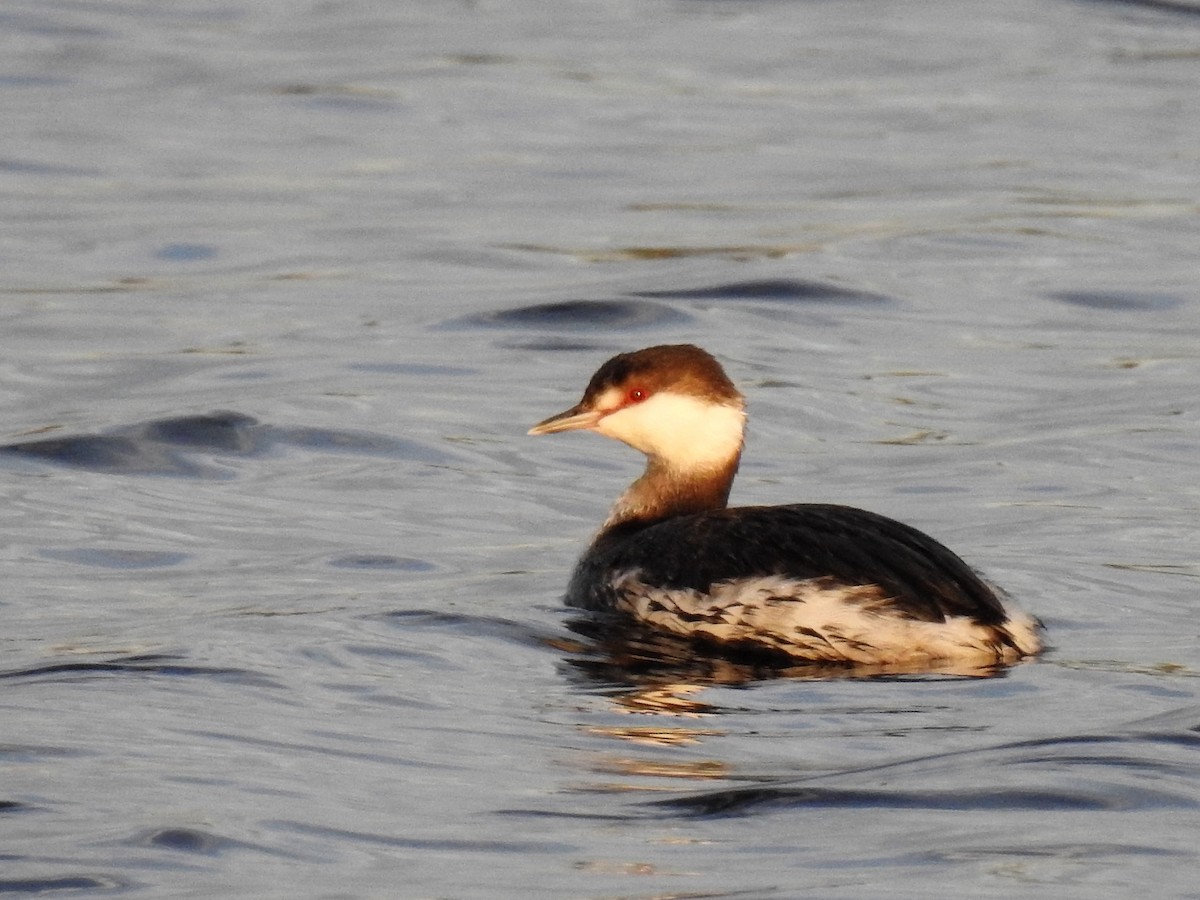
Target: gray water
[{"x": 283, "y": 287}]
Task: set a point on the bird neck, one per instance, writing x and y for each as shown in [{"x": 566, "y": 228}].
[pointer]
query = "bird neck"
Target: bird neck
[{"x": 664, "y": 492}]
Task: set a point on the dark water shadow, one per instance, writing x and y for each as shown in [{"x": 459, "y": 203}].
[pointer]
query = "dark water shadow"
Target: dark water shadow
[
  {"x": 1137, "y": 768},
  {"x": 744, "y": 800},
  {"x": 1184, "y": 7},
  {"x": 35, "y": 167},
  {"x": 777, "y": 290},
  {"x": 1119, "y": 301},
  {"x": 149, "y": 664},
  {"x": 642, "y": 311},
  {"x": 425, "y": 844},
  {"x": 464, "y": 625},
  {"x": 107, "y": 558},
  {"x": 578, "y": 316},
  {"x": 186, "y": 839},
  {"x": 62, "y": 884},
  {"x": 194, "y": 446},
  {"x": 1147, "y": 766},
  {"x": 382, "y": 562},
  {"x": 422, "y": 370}
]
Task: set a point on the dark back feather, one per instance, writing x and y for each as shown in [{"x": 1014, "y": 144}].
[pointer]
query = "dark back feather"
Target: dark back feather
[{"x": 836, "y": 544}]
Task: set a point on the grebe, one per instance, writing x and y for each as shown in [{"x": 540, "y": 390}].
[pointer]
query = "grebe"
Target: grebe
[{"x": 805, "y": 582}]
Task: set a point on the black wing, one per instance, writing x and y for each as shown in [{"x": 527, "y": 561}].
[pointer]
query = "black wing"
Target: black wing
[{"x": 840, "y": 544}]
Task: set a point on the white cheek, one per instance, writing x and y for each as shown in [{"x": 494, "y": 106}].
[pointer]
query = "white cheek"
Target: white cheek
[
  {"x": 637, "y": 426},
  {"x": 682, "y": 431}
]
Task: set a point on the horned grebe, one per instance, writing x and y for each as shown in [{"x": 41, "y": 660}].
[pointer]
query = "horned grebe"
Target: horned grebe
[{"x": 808, "y": 582}]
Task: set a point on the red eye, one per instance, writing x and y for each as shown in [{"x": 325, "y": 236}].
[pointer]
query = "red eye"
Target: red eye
[{"x": 635, "y": 395}]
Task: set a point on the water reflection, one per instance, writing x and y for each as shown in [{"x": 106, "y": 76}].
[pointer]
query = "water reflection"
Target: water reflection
[
  {"x": 647, "y": 662},
  {"x": 667, "y": 680}
]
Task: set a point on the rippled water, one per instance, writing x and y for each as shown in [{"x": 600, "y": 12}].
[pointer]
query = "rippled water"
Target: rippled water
[{"x": 284, "y": 286}]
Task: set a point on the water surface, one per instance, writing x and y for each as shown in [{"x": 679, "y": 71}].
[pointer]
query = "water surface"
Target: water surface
[{"x": 283, "y": 287}]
